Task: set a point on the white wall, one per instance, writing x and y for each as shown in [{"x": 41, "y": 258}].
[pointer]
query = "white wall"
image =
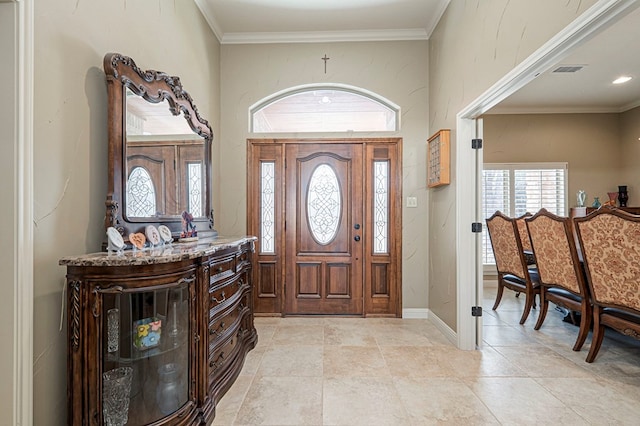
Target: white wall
[
  {"x": 475, "y": 43},
  {"x": 394, "y": 70},
  {"x": 8, "y": 214},
  {"x": 70, "y": 140}
]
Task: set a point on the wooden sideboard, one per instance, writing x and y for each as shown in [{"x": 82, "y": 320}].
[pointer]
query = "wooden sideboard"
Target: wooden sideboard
[
  {"x": 632, "y": 210},
  {"x": 159, "y": 334}
]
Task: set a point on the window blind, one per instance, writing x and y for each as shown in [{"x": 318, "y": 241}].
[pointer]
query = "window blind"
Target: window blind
[{"x": 518, "y": 188}]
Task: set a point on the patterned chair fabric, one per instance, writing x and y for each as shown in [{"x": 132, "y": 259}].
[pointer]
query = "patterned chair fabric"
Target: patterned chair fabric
[
  {"x": 610, "y": 242},
  {"x": 561, "y": 274},
  {"x": 524, "y": 232},
  {"x": 525, "y": 239},
  {"x": 510, "y": 262}
]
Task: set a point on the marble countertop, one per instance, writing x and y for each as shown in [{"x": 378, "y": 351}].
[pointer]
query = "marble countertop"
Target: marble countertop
[{"x": 174, "y": 252}]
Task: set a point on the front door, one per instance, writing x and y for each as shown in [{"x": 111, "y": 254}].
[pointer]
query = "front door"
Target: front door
[
  {"x": 328, "y": 217},
  {"x": 323, "y": 227}
]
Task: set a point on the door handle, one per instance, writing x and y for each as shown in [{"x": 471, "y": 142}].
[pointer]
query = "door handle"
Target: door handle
[
  {"x": 356, "y": 226},
  {"x": 357, "y": 238}
]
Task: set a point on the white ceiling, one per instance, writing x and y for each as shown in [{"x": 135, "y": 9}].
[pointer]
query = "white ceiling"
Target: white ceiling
[
  {"x": 605, "y": 57},
  {"x": 266, "y": 21},
  {"x": 609, "y": 55}
]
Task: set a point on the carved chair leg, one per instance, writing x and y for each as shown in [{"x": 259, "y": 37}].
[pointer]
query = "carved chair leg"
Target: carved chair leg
[
  {"x": 499, "y": 294},
  {"x": 598, "y": 334},
  {"x": 585, "y": 323},
  {"x": 529, "y": 301},
  {"x": 544, "y": 305}
]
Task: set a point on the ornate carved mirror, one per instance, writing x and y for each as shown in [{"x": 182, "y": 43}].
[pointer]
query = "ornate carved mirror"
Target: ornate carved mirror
[{"x": 159, "y": 151}]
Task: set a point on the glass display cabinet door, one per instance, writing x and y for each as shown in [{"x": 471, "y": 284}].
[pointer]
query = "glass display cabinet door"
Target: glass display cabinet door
[{"x": 145, "y": 353}]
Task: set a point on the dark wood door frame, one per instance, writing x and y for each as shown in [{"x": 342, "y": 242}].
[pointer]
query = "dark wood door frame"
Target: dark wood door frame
[{"x": 382, "y": 274}]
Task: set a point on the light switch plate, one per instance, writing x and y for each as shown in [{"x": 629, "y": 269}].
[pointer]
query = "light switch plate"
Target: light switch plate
[{"x": 412, "y": 201}]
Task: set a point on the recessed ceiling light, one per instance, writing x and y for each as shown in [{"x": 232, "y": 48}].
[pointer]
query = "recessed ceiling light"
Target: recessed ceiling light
[{"x": 622, "y": 79}]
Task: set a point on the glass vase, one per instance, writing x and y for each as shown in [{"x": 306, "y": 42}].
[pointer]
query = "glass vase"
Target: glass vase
[
  {"x": 170, "y": 391},
  {"x": 113, "y": 330},
  {"x": 116, "y": 386}
]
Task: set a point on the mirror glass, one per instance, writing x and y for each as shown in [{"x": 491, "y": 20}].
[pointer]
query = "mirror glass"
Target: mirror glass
[
  {"x": 159, "y": 155},
  {"x": 164, "y": 162}
]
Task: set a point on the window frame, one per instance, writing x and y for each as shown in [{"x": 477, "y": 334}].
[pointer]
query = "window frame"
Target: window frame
[
  {"x": 278, "y": 96},
  {"x": 512, "y": 168}
]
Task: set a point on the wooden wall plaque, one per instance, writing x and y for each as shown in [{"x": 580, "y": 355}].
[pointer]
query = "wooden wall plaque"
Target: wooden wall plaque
[{"x": 438, "y": 159}]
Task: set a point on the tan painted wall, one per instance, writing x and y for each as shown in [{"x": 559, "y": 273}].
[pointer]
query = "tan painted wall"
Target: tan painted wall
[
  {"x": 8, "y": 172},
  {"x": 630, "y": 154},
  {"x": 70, "y": 138},
  {"x": 394, "y": 70},
  {"x": 475, "y": 43},
  {"x": 590, "y": 143}
]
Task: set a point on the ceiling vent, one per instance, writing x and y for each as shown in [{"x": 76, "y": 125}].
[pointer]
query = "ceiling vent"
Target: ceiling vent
[{"x": 568, "y": 68}]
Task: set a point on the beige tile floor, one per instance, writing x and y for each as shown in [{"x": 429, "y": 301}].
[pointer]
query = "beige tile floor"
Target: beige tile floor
[{"x": 354, "y": 371}]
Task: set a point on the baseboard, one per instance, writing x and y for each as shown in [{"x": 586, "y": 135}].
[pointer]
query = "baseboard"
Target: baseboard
[
  {"x": 448, "y": 332},
  {"x": 490, "y": 283},
  {"x": 415, "y": 313}
]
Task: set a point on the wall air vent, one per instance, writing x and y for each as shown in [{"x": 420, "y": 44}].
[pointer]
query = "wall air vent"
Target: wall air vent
[{"x": 568, "y": 68}]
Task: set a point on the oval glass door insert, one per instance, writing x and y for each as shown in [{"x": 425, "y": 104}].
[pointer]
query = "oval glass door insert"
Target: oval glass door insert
[{"x": 323, "y": 204}]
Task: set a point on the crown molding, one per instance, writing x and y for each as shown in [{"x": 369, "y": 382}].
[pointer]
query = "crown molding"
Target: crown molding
[
  {"x": 206, "y": 11},
  {"x": 506, "y": 109},
  {"x": 632, "y": 105},
  {"x": 435, "y": 18},
  {"x": 324, "y": 36}
]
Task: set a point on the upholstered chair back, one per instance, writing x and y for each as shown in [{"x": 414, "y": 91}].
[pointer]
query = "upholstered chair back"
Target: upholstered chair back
[
  {"x": 507, "y": 245},
  {"x": 555, "y": 251},
  {"x": 610, "y": 242},
  {"x": 523, "y": 232}
]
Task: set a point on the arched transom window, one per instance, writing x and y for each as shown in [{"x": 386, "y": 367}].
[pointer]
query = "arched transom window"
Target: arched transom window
[{"x": 325, "y": 108}]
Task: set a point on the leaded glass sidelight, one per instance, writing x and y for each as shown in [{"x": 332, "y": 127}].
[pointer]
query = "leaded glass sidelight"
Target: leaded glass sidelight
[
  {"x": 324, "y": 204},
  {"x": 267, "y": 206},
  {"x": 194, "y": 190},
  {"x": 141, "y": 194},
  {"x": 381, "y": 207}
]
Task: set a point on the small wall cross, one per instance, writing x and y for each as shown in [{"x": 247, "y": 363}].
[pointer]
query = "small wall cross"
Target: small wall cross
[{"x": 325, "y": 59}]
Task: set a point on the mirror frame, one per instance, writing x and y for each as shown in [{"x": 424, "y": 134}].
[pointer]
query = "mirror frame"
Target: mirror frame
[{"x": 153, "y": 86}]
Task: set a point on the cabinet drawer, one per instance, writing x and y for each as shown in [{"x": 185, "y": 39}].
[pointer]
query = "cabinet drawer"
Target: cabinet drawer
[
  {"x": 221, "y": 357},
  {"x": 227, "y": 292},
  {"x": 222, "y": 324},
  {"x": 243, "y": 259},
  {"x": 221, "y": 269}
]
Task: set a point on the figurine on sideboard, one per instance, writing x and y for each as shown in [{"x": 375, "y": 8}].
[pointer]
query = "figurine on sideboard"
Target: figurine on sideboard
[{"x": 189, "y": 231}]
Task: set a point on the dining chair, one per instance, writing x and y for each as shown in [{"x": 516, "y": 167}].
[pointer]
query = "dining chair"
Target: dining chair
[
  {"x": 562, "y": 278},
  {"x": 525, "y": 239},
  {"x": 511, "y": 264},
  {"x": 610, "y": 243}
]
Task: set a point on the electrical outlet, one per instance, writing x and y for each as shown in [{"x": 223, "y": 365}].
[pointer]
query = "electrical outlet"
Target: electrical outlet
[{"x": 412, "y": 201}]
